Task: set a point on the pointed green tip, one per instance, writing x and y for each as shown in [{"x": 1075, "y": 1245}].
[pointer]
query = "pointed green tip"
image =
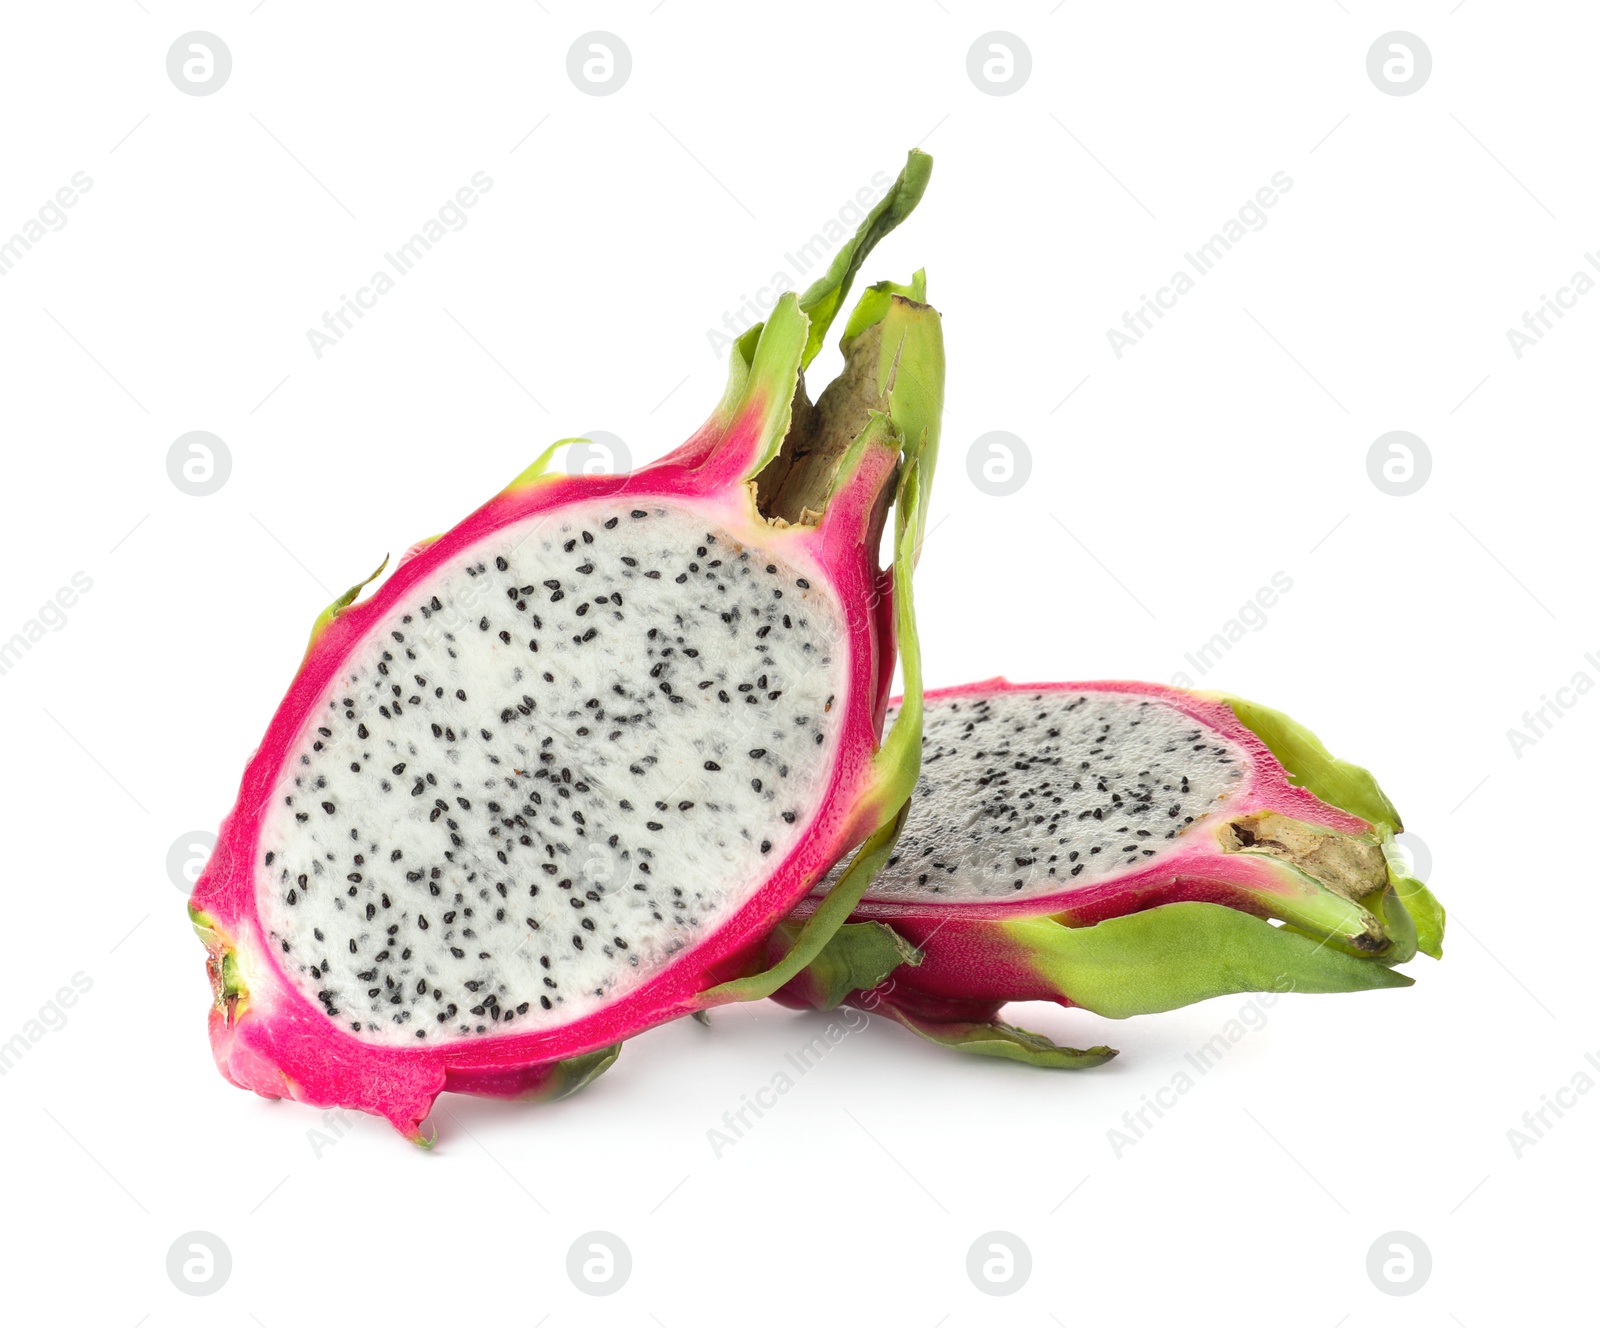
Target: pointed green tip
[
  {"x": 823, "y": 924},
  {"x": 768, "y": 357},
  {"x": 1005, "y": 1041},
  {"x": 581, "y": 1071},
  {"x": 535, "y": 471},
  {"x": 344, "y": 601},
  {"x": 824, "y": 298},
  {"x": 875, "y": 301},
  {"x": 1312, "y": 766},
  {"x": 859, "y": 957},
  {"x": 1426, "y": 912},
  {"x": 1353, "y": 789},
  {"x": 1176, "y": 954}
]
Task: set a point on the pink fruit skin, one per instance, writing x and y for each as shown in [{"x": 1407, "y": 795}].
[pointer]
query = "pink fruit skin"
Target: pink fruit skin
[
  {"x": 968, "y": 962},
  {"x": 279, "y": 1044}
]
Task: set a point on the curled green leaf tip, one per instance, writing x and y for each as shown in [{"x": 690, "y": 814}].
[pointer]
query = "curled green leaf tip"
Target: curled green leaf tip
[
  {"x": 343, "y": 602},
  {"x": 1312, "y": 766}
]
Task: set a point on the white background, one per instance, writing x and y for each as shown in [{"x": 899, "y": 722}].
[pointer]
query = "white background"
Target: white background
[{"x": 1230, "y": 444}]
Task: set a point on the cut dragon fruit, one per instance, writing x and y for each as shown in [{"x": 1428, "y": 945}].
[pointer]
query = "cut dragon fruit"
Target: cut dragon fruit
[
  {"x": 1120, "y": 847},
  {"x": 557, "y": 778}
]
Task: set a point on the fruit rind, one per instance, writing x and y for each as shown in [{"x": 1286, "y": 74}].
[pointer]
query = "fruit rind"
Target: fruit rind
[
  {"x": 1176, "y": 954},
  {"x": 1002, "y": 1040},
  {"x": 1305, "y": 838},
  {"x": 1351, "y": 788},
  {"x": 325, "y": 619},
  {"x": 817, "y": 930},
  {"x": 823, "y": 299},
  {"x": 266, "y": 1034},
  {"x": 1311, "y": 766}
]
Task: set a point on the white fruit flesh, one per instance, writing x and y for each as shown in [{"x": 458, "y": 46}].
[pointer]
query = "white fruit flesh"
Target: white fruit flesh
[
  {"x": 1023, "y": 794},
  {"x": 473, "y": 835}
]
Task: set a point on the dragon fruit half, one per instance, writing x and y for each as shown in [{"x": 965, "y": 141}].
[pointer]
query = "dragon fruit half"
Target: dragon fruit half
[
  {"x": 556, "y": 780},
  {"x": 1120, "y": 847}
]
